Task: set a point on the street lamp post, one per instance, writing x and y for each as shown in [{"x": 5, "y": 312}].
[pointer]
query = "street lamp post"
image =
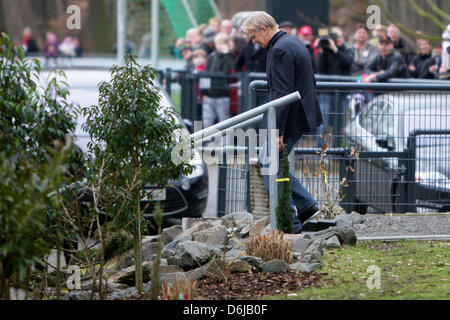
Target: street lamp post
[{"x": 121, "y": 30}]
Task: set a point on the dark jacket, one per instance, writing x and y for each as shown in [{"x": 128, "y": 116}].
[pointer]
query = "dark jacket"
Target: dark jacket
[
  {"x": 288, "y": 70},
  {"x": 251, "y": 60},
  {"x": 422, "y": 63},
  {"x": 405, "y": 50},
  {"x": 338, "y": 63},
  {"x": 362, "y": 58},
  {"x": 223, "y": 63},
  {"x": 394, "y": 66}
]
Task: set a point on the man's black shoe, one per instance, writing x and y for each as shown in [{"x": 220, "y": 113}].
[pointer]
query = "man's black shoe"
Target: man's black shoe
[{"x": 309, "y": 214}]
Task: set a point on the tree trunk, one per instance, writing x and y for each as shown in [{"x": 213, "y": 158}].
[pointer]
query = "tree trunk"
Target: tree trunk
[{"x": 138, "y": 247}]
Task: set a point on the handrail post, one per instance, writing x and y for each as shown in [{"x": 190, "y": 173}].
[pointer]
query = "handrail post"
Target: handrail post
[{"x": 272, "y": 145}]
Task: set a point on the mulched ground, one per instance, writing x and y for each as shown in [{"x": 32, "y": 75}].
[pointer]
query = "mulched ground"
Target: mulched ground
[
  {"x": 244, "y": 286},
  {"x": 251, "y": 285}
]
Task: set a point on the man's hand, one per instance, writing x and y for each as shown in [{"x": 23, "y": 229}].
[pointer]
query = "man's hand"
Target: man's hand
[{"x": 281, "y": 145}]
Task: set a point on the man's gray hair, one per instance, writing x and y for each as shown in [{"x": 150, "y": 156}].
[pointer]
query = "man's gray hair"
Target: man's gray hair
[{"x": 259, "y": 19}]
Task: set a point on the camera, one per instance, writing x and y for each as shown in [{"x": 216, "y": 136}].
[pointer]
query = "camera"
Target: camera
[{"x": 325, "y": 42}]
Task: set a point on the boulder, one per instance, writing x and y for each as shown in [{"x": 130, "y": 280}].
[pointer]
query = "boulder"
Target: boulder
[
  {"x": 212, "y": 236},
  {"x": 276, "y": 266},
  {"x": 253, "y": 261},
  {"x": 314, "y": 252},
  {"x": 345, "y": 234},
  {"x": 127, "y": 276},
  {"x": 189, "y": 254},
  {"x": 305, "y": 267},
  {"x": 169, "y": 234},
  {"x": 257, "y": 227},
  {"x": 333, "y": 243},
  {"x": 196, "y": 227},
  {"x": 172, "y": 246},
  {"x": 349, "y": 220},
  {"x": 300, "y": 245},
  {"x": 236, "y": 219}
]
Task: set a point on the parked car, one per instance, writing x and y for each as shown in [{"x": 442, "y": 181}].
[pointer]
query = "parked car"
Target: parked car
[
  {"x": 185, "y": 197},
  {"x": 386, "y": 125}
]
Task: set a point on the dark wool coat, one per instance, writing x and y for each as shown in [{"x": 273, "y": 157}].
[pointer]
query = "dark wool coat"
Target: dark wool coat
[{"x": 289, "y": 69}]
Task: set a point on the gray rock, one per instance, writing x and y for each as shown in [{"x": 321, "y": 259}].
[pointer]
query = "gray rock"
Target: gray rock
[
  {"x": 212, "y": 236},
  {"x": 167, "y": 253},
  {"x": 253, "y": 261},
  {"x": 344, "y": 219},
  {"x": 300, "y": 245},
  {"x": 148, "y": 250},
  {"x": 305, "y": 267},
  {"x": 314, "y": 252},
  {"x": 190, "y": 254},
  {"x": 196, "y": 227},
  {"x": 172, "y": 246},
  {"x": 127, "y": 276},
  {"x": 169, "y": 234},
  {"x": 276, "y": 266},
  {"x": 257, "y": 227},
  {"x": 236, "y": 219},
  {"x": 333, "y": 243},
  {"x": 80, "y": 295},
  {"x": 346, "y": 235}
]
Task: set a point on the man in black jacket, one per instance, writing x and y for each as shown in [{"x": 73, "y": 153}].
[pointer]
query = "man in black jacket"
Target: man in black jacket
[
  {"x": 288, "y": 70},
  {"x": 387, "y": 64}
]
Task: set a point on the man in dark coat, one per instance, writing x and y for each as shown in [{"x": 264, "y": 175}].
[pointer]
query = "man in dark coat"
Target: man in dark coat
[{"x": 289, "y": 69}]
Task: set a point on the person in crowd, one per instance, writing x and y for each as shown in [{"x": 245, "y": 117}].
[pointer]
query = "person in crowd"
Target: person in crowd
[
  {"x": 194, "y": 38},
  {"x": 287, "y": 26},
  {"x": 208, "y": 40},
  {"x": 226, "y": 26},
  {"x": 400, "y": 44},
  {"x": 444, "y": 63},
  {"x": 252, "y": 58},
  {"x": 199, "y": 63},
  {"x": 423, "y": 65},
  {"x": 29, "y": 43},
  {"x": 68, "y": 49},
  {"x": 214, "y": 23},
  {"x": 379, "y": 31},
  {"x": 186, "y": 53},
  {"x": 334, "y": 59},
  {"x": 78, "y": 48},
  {"x": 51, "y": 51},
  {"x": 216, "y": 100},
  {"x": 363, "y": 51},
  {"x": 289, "y": 69},
  {"x": 237, "y": 43},
  {"x": 306, "y": 35},
  {"x": 388, "y": 63}
]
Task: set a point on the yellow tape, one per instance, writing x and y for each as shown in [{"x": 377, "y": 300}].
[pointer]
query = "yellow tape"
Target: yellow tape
[{"x": 283, "y": 180}]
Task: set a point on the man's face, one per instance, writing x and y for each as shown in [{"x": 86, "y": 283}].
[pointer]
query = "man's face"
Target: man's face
[
  {"x": 361, "y": 35},
  {"x": 424, "y": 46},
  {"x": 259, "y": 36},
  {"x": 385, "y": 48},
  {"x": 393, "y": 33},
  {"x": 226, "y": 27}
]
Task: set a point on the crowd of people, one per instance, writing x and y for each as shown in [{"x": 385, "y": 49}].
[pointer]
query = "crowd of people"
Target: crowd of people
[
  {"x": 53, "y": 49},
  {"x": 369, "y": 55}
]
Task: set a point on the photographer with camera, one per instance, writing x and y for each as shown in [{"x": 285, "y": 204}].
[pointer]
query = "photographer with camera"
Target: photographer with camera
[{"x": 334, "y": 59}]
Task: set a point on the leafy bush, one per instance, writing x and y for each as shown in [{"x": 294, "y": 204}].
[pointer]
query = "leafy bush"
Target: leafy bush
[{"x": 34, "y": 123}]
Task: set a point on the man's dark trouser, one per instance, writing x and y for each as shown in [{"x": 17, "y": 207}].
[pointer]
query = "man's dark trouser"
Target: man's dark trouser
[{"x": 301, "y": 199}]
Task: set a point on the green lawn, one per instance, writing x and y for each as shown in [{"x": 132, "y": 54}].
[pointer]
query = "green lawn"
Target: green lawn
[{"x": 407, "y": 269}]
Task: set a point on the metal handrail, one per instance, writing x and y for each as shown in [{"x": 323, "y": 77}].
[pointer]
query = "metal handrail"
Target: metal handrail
[{"x": 224, "y": 125}]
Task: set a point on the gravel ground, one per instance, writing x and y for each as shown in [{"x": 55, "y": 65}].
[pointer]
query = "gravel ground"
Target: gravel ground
[{"x": 407, "y": 225}]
